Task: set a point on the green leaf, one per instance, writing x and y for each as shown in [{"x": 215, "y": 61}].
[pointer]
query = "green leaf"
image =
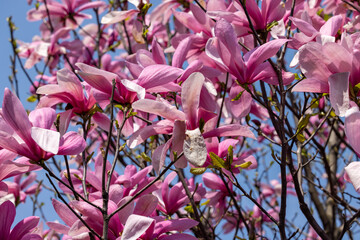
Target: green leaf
[
  {"x": 332, "y": 114},
  {"x": 303, "y": 122},
  {"x": 77, "y": 176},
  {"x": 297, "y": 76},
  {"x": 271, "y": 25},
  {"x": 146, "y": 7},
  {"x": 32, "y": 98},
  {"x": 198, "y": 171},
  {"x": 229, "y": 157},
  {"x": 132, "y": 114},
  {"x": 145, "y": 157},
  {"x": 300, "y": 137},
  {"x": 189, "y": 209},
  {"x": 237, "y": 96},
  {"x": 217, "y": 161},
  {"x": 88, "y": 158},
  {"x": 119, "y": 106},
  {"x": 314, "y": 103},
  {"x": 244, "y": 165},
  {"x": 205, "y": 203}
]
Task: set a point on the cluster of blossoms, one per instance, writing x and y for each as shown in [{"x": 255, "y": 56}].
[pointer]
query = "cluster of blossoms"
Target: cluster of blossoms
[{"x": 202, "y": 92}]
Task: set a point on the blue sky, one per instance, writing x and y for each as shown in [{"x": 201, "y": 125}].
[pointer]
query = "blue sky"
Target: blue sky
[{"x": 17, "y": 9}]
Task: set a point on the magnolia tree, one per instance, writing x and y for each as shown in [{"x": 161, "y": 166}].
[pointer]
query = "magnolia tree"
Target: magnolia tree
[{"x": 184, "y": 120}]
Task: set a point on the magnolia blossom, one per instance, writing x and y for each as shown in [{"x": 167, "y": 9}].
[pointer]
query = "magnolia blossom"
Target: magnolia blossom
[
  {"x": 184, "y": 125},
  {"x": 22, "y": 231},
  {"x": 34, "y": 136}
]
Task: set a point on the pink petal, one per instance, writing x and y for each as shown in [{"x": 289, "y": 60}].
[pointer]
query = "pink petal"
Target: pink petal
[
  {"x": 339, "y": 92},
  {"x": 79, "y": 232},
  {"x": 71, "y": 144},
  {"x": 7, "y": 217},
  {"x": 70, "y": 83},
  {"x": 180, "y": 53},
  {"x": 352, "y": 126},
  {"x": 311, "y": 85},
  {"x": 332, "y": 25},
  {"x": 15, "y": 115},
  {"x": 160, "y": 108},
  {"x": 49, "y": 89},
  {"x": 64, "y": 212},
  {"x": 48, "y": 140},
  {"x": 43, "y": 118},
  {"x": 118, "y": 16},
  {"x": 338, "y": 59},
  {"x": 165, "y": 187},
  {"x": 190, "y": 97},
  {"x": 230, "y": 130},
  {"x": 24, "y": 227},
  {"x": 126, "y": 211},
  {"x": 174, "y": 225},
  {"x": 212, "y": 181},
  {"x": 162, "y": 127},
  {"x": 188, "y": 21},
  {"x": 145, "y": 58},
  {"x": 94, "y": 4},
  {"x": 102, "y": 121},
  {"x": 177, "y": 236},
  {"x": 58, "y": 227},
  {"x": 9, "y": 142},
  {"x": 212, "y": 51},
  {"x": 264, "y": 52},
  {"x": 353, "y": 172},
  {"x": 97, "y": 78},
  {"x": 202, "y": 18},
  {"x": 7, "y": 155},
  {"x": 312, "y": 61},
  {"x": 159, "y": 156},
  {"x": 146, "y": 205},
  {"x": 178, "y": 142},
  {"x": 157, "y": 52},
  {"x": 155, "y": 76},
  {"x": 226, "y": 34},
  {"x": 241, "y": 107},
  {"x": 65, "y": 118},
  {"x": 304, "y": 26},
  {"x": 135, "y": 226},
  {"x": 133, "y": 87}
]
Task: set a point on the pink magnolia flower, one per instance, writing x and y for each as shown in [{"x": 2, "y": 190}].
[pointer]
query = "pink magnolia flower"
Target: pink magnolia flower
[
  {"x": 34, "y": 136},
  {"x": 10, "y": 167},
  {"x": 20, "y": 189},
  {"x": 221, "y": 149},
  {"x": 171, "y": 200},
  {"x": 22, "y": 231},
  {"x": 132, "y": 222},
  {"x": 218, "y": 196},
  {"x": 126, "y": 91},
  {"x": 93, "y": 178},
  {"x": 271, "y": 11},
  {"x": 328, "y": 69},
  {"x": 133, "y": 181},
  {"x": 68, "y": 11},
  {"x": 68, "y": 90},
  {"x": 308, "y": 33},
  {"x": 225, "y": 51},
  {"x": 146, "y": 228},
  {"x": 184, "y": 125}
]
